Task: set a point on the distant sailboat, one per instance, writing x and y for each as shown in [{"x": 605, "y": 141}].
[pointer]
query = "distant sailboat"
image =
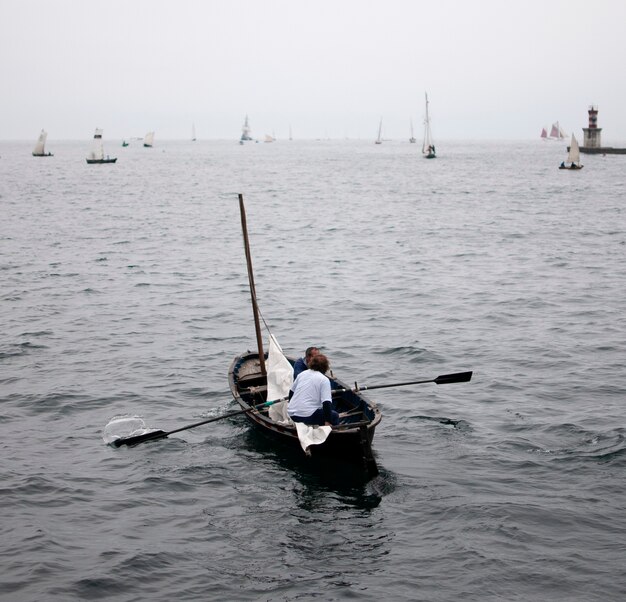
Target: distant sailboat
[
  {"x": 97, "y": 153},
  {"x": 245, "y": 131},
  {"x": 193, "y": 132},
  {"x": 412, "y": 138},
  {"x": 124, "y": 143},
  {"x": 269, "y": 138},
  {"x": 544, "y": 133},
  {"x": 379, "y": 140},
  {"x": 573, "y": 156},
  {"x": 40, "y": 146},
  {"x": 428, "y": 146},
  {"x": 556, "y": 132},
  {"x": 148, "y": 140}
]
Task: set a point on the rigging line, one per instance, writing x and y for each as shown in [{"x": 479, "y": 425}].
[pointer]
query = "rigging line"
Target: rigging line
[{"x": 262, "y": 317}]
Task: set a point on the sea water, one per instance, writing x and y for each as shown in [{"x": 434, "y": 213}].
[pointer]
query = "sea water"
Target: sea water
[{"x": 125, "y": 293}]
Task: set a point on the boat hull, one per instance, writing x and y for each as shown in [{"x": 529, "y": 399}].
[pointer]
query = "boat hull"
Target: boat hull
[
  {"x": 100, "y": 161},
  {"x": 351, "y": 440}
]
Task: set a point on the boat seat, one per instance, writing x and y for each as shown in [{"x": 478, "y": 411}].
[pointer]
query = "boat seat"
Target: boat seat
[{"x": 252, "y": 380}]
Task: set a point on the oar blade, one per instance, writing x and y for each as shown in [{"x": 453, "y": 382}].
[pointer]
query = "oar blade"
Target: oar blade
[
  {"x": 459, "y": 377},
  {"x": 130, "y": 441}
]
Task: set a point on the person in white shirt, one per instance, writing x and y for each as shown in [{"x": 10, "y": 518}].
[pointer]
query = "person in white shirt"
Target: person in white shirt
[{"x": 310, "y": 398}]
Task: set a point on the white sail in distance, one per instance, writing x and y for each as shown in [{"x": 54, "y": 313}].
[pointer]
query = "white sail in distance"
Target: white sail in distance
[
  {"x": 97, "y": 151},
  {"x": 40, "y": 145}
]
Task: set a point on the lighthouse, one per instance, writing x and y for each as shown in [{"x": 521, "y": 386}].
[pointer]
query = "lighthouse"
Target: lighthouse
[
  {"x": 592, "y": 142},
  {"x": 593, "y": 133}
]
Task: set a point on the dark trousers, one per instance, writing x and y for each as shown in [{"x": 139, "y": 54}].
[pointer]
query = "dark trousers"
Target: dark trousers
[{"x": 317, "y": 418}]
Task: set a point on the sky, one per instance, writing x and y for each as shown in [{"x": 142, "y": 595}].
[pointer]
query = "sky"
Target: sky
[{"x": 324, "y": 68}]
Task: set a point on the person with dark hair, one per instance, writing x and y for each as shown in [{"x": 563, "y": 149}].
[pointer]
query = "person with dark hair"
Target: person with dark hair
[
  {"x": 310, "y": 398},
  {"x": 303, "y": 363}
]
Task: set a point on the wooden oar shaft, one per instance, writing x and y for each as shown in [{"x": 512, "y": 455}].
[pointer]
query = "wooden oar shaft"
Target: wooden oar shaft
[
  {"x": 214, "y": 419},
  {"x": 443, "y": 379},
  {"x": 154, "y": 435}
]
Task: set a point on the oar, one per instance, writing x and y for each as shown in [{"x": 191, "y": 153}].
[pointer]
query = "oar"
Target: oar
[
  {"x": 443, "y": 379},
  {"x": 154, "y": 435}
]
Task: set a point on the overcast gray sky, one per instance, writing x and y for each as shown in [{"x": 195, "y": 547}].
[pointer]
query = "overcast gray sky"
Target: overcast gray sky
[{"x": 327, "y": 68}]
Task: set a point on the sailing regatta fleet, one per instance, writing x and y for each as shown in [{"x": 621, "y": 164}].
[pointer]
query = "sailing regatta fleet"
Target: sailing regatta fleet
[{"x": 556, "y": 133}]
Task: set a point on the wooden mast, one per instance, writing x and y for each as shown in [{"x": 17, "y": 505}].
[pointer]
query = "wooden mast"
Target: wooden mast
[{"x": 255, "y": 307}]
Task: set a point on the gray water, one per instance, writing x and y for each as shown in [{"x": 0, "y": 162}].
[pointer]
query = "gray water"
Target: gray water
[{"x": 124, "y": 292}]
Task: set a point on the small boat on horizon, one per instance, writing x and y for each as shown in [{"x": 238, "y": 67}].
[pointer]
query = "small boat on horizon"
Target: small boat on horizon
[
  {"x": 96, "y": 157},
  {"x": 148, "y": 140},
  {"x": 40, "y": 146},
  {"x": 412, "y": 139},
  {"x": 245, "y": 131},
  {"x": 556, "y": 132},
  {"x": 428, "y": 146},
  {"x": 379, "y": 140}
]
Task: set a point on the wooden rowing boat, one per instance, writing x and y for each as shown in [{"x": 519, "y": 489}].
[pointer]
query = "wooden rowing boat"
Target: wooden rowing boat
[
  {"x": 247, "y": 378},
  {"x": 349, "y": 440}
]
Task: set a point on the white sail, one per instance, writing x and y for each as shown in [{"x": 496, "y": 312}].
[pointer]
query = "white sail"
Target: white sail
[
  {"x": 41, "y": 144},
  {"x": 573, "y": 156},
  {"x": 193, "y": 132},
  {"x": 279, "y": 380},
  {"x": 148, "y": 139},
  {"x": 97, "y": 151},
  {"x": 379, "y": 140}
]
